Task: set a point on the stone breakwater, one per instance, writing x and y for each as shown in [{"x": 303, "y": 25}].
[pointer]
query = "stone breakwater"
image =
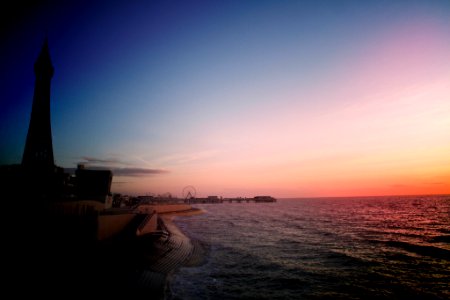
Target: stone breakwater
[{"x": 165, "y": 254}]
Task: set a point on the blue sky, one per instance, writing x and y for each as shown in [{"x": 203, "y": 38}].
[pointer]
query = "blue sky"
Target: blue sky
[{"x": 255, "y": 88}]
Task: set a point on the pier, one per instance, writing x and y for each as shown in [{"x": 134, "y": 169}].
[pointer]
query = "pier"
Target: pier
[
  {"x": 197, "y": 200},
  {"x": 216, "y": 199}
]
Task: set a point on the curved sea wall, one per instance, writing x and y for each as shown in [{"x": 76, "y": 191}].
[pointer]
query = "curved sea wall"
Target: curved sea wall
[
  {"x": 167, "y": 253},
  {"x": 110, "y": 225},
  {"x": 164, "y": 208}
]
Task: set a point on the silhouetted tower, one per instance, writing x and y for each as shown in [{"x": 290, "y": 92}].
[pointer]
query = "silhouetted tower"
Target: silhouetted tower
[{"x": 38, "y": 152}]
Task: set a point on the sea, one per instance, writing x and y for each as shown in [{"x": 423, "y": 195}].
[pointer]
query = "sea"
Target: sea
[{"x": 320, "y": 248}]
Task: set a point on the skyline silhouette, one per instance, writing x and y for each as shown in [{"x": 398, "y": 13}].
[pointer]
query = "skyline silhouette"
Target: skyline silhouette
[
  {"x": 238, "y": 99},
  {"x": 228, "y": 100}
]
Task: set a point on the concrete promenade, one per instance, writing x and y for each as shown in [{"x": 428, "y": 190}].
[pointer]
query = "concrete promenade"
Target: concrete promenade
[
  {"x": 162, "y": 254},
  {"x": 56, "y": 266}
]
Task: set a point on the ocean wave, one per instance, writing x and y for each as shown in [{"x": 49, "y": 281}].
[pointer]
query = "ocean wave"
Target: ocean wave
[
  {"x": 358, "y": 248},
  {"x": 431, "y": 251},
  {"x": 441, "y": 239}
]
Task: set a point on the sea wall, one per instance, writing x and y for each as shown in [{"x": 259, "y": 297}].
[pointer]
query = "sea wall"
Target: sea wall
[
  {"x": 149, "y": 225},
  {"x": 89, "y": 219},
  {"x": 110, "y": 225},
  {"x": 165, "y": 208}
]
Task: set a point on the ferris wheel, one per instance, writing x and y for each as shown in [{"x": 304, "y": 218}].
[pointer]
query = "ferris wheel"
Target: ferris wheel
[{"x": 189, "y": 193}]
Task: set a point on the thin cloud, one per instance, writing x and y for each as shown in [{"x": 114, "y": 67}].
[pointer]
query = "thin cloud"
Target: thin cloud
[
  {"x": 120, "y": 182},
  {"x": 132, "y": 172},
  {"x": 94, "y": 160},
  {"x": 137, "y": 171},
  {"x": 119, "y": 167}
]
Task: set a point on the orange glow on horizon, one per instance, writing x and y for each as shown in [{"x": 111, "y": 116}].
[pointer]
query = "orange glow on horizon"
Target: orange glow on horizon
[{"x": 383, "y": 130}]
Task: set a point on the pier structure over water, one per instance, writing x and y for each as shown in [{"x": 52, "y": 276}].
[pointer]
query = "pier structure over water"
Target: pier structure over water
[
  {"x": 216, "y": 199},
  {"x": 208, "y": 200}
]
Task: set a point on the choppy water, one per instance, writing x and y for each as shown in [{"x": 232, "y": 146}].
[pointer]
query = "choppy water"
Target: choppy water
[{"x": 336, "y": 248}]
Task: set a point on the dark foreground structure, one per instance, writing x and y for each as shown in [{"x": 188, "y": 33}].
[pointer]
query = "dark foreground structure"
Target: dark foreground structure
[
  {"x": 60, "y": 237},
  {"x": 51, "y": 219},
  {"x": 37, "y": 180},
  {"x": 38, "y": 152}
]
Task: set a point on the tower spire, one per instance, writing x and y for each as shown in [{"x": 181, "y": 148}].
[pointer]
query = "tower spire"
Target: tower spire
[{"x": 38, "y": 153}]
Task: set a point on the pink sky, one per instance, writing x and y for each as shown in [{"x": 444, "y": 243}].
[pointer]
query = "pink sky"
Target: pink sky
[
  {"x": 384, "y": 129},
  {"x": 241, "y": 98}
]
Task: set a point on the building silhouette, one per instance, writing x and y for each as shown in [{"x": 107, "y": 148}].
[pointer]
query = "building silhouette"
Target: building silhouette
[
  {"x": 93, "y": 184},
  {"x": 38, "y": 181},
  {"x": 38, "y": 152},
  {"x": 55, "y": 221}
]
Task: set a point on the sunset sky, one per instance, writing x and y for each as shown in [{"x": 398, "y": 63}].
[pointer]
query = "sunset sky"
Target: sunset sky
[{"x": 239, "y": 98}]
